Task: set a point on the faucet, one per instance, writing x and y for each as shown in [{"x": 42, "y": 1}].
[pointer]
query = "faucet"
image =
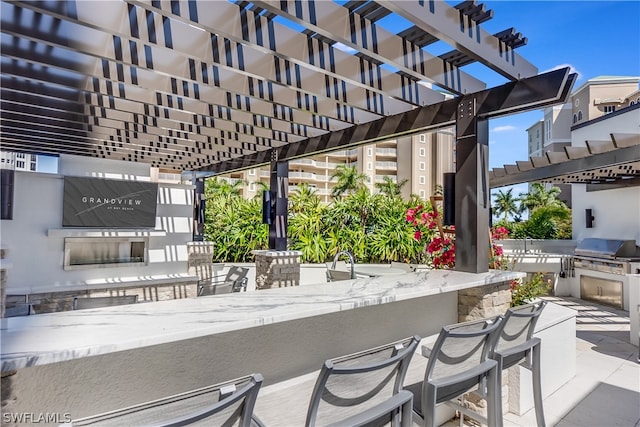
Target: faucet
[
  {"x": 351, "y": 261},
  {"x": 525, "y": 243}
]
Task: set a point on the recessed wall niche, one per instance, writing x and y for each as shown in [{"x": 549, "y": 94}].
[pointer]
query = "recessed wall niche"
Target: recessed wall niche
[{"x": 80, "y": 252}]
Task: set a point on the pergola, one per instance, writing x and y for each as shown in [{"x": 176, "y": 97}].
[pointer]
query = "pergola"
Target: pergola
[{"x": 209, "y": 87}]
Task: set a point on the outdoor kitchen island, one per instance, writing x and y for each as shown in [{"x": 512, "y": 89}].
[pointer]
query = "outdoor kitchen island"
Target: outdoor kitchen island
[{"x": 90, "y": 361}]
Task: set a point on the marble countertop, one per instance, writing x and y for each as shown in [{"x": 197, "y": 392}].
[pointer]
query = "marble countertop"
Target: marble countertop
[{"x": 50, "y": 338}]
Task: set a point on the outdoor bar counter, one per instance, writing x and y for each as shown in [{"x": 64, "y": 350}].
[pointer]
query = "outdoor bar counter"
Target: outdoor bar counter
[{"x": 89, "y": 361}]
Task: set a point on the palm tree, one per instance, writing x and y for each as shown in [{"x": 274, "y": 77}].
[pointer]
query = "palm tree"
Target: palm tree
[
  {"x": 390, "y": 188},
  {"x": 303, "y": 198},
  {"x": 505, "y": 203},
  {"x": 223, "y": 187},
  {"x": 539, "y": 197},
  {"x": 349, "y": 180}
]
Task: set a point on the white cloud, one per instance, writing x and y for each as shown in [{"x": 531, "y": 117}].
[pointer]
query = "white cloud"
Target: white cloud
[
  {"x": 493, "y": 142},
  {"x": 506, "y": 128},
  {"x": 572, "y": 69}
]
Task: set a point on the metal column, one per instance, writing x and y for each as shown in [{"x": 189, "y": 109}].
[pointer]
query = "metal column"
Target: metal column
[
  {"x": 279, "y": 188},
  {"x": 472, "y": 198},
  {"x": 198, "y": 210}
]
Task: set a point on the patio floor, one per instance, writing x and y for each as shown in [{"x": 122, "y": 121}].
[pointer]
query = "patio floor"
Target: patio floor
[
  {"x": 606, "y": 388},
  {"x": 604, "y": 392}
]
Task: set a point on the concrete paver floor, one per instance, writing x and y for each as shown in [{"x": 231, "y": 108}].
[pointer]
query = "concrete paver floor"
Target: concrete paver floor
[{"x": 605, "y": 391}]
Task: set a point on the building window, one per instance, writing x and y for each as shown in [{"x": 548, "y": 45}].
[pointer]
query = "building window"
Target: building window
[
  {"x": 252, "y": 172},
  {"x": 423, "y": 138},
  {"x": 422, "y": 180},
  {"x": 20, "y": 164},
  {"x": 575, "y": 118},
  {"x": 20, "y": 155},
  {"x": 423, "y": 194},
  {"x": 422, "y": 152},
  {"x": 609, "y": 109},
  {"x": 580, "y": 115},
  {"x": 369, "y": 166},
  {"x": 422, "y": 166},
  {"x": 576, "y": 102},
  {"x": 33, "y": 167},
  {"x": 537, "y": 133},
  {"x": 369, "y": 152},
  {"x": 252, "y": 186},
  {"x": 549, "y": 130}
]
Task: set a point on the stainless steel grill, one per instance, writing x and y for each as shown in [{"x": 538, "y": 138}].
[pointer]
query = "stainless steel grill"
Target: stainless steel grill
[
  {"x": 612, "y": 259},
  {"x": 606, "y": 248}
]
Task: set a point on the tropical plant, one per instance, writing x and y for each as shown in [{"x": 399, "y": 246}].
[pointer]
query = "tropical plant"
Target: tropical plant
[
  {"x": 505, "y": 203},
  {"x": 303, "y": 199},
  {"x": 348, "y": 180},
  {"x": 544, "y": 223},
  {"x": 540, "y": 196},
  {"x": 389, "y": 187},
  {"x": 223, "y": 187},
  {"x": 524, "y": 291}
]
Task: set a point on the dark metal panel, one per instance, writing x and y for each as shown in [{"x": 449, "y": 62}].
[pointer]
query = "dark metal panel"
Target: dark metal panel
[
  {"x": 576, "y": 166},
  {"x": 527, "y": 94}
]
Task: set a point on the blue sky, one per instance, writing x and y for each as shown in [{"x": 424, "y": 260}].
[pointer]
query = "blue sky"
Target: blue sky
[{"x": 594, "y": 38}]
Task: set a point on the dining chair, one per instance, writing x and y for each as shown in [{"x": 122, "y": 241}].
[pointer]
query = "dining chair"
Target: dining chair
[
  {"x": 514, "y": 344},
  {"x": 458, "y": 363},
  {"x": 81, "y": 303},
  {"x": 234, "y": 281},
  {"x": 364, "y": 388},
  {"x": 228, "y": 403}
]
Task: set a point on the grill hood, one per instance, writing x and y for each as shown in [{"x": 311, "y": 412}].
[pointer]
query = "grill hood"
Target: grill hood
[{"x": 606, "y": 248}]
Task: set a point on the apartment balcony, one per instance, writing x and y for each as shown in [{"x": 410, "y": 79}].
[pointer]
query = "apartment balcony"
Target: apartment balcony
[
  {"x": 308, "y": 176},
  {"x": 380, "y": 178},
  {"x": 386, "y": 152},
  {"x": 313, "y": 163},
  {"x": 387, "y": 165},
  {"x": 344, "y": 153}
]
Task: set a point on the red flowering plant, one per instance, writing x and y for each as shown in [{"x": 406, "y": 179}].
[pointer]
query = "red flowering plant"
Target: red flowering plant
[
  {"x": 441, "y": 251},
  {"x": 424, "y": 221}
]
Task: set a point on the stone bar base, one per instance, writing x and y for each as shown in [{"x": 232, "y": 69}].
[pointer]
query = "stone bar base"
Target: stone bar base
[
  {"x": 483, "y": 301},
  {"x": 479, "y": 303},
  {"x": 277, "y": 269}
]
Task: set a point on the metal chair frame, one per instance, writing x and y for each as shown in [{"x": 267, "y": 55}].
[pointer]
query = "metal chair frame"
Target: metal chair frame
[
  {"x": 234, "y": 281},
  {"x": 525, "y": 349},
  {"x": 484, "y": 375},
  {"x": 395, "y": 409},
  {"x": 229, "y": 395}
]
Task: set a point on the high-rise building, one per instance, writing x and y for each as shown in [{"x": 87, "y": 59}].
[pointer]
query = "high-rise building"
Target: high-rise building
[
  {"x": 18, "y": 161},
  {"x": 595, "y": 98},
  {"x": 420, "y": 159}
]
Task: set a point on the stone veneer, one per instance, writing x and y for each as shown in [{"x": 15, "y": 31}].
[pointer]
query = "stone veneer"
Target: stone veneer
[
  {"x": 277, "y": 269},
  {"x": 479, "y": 303}
]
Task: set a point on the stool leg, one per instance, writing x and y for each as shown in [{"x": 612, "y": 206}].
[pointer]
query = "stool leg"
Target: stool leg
[
  {"x": 537, "y": 386},
  {"x": 494, "y": 418}
]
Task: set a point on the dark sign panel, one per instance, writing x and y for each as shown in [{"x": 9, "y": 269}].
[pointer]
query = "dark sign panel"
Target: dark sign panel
[{"x": 105, "y": 203}]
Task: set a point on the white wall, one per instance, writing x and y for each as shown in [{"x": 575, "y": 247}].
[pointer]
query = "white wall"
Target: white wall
[
  {"x": 616, "y": 211},
  {"x": 35, "y": 237}
]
